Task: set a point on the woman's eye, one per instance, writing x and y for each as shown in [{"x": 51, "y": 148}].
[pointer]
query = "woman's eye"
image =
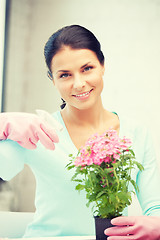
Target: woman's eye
[
  {"x": 86, "y": 69},
  {"x": 64, "y": 75}
]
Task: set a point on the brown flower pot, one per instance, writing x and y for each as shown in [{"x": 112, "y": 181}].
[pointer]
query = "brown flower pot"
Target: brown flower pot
[{"x": 101, "y": 224}]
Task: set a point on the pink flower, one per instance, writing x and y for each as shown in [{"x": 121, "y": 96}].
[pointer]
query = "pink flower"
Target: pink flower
[{"x": 105, "y": 148}]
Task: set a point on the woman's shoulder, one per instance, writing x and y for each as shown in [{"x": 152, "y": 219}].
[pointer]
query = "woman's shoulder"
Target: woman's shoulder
[
  {"x": 57, "y": 115},
  {"x": 133, "y": 125}
]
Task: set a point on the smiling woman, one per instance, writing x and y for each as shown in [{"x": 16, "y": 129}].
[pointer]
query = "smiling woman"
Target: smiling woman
[
  {"x": 74, "y": 37},
  {"x": 76, "y": 67},
  {"x": 81, "y": 83}
]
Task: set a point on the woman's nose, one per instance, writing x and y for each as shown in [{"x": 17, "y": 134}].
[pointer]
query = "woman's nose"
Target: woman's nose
[{"x": 79, "y": 82}]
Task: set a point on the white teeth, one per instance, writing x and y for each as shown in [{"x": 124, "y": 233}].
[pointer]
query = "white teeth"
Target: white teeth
[{"x": 84, "y": 94}]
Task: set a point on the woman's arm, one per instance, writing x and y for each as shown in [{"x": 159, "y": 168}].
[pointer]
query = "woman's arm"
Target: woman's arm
[
  {"x": 148, "y": 180},
  {"x": 12, "y": 159},
  {"x": 27, "y": 129},
  {"x": 18, "y": 133}
]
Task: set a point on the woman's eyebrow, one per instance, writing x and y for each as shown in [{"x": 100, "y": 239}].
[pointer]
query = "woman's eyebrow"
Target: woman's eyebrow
[
  {"x": 66, "y": 71},
  {"x": 85, "y": 65},
  {"x": 62, "y": 71}
]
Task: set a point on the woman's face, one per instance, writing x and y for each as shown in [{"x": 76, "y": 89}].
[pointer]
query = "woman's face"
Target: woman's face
[{"x": 77, "y": 74}]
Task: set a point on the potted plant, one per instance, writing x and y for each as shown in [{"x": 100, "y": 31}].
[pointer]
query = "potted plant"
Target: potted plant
[{"x": 103, "y": 169}]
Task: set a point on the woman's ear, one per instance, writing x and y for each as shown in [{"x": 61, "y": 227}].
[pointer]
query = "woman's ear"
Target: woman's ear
[
  {"x": 103, "y": 70},
  {"x": 49, "y": 74}
]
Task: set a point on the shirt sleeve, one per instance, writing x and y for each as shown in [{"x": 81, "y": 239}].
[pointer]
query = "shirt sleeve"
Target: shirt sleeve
[
  {"x": 12, "y": 157},
  {"x": 149, "y": 180}
]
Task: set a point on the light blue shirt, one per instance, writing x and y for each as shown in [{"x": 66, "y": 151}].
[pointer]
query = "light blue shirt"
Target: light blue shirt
[{"x": 60, "y": 209}]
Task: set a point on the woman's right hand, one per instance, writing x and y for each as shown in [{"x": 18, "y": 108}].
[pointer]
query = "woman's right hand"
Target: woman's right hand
[{"x": 27, "y": 129}]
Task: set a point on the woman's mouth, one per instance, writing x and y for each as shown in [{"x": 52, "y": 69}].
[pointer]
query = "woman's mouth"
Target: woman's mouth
[{"x": 83, "y": 96}]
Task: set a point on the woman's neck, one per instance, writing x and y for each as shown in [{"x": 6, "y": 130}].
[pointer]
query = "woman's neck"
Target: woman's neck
[{"x": 93, "y": 116}]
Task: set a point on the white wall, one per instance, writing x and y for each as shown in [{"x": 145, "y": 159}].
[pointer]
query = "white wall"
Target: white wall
[{"x": 129, "y": 32}]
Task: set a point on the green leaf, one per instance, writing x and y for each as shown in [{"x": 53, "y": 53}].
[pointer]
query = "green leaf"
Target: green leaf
[
  {"x": 79, "y": 187},
  {"x": 132, "y": 152},
  {"x": 88, "y": 204},
  {"x": 141, "y": 168},
  {"x": 78, "y": 180},
  {"x": 100, "y": 194},
  {"x": 70, "y": 167},
  {"x": 70, "y": 155},
  {"x": 134, "y": 185}
]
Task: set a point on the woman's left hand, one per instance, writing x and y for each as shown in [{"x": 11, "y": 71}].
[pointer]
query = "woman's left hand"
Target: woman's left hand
[{"x": 137, "y": 228}]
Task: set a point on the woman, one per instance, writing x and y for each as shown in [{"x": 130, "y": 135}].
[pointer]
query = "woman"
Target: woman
[{"x": 76, "y": 67}]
